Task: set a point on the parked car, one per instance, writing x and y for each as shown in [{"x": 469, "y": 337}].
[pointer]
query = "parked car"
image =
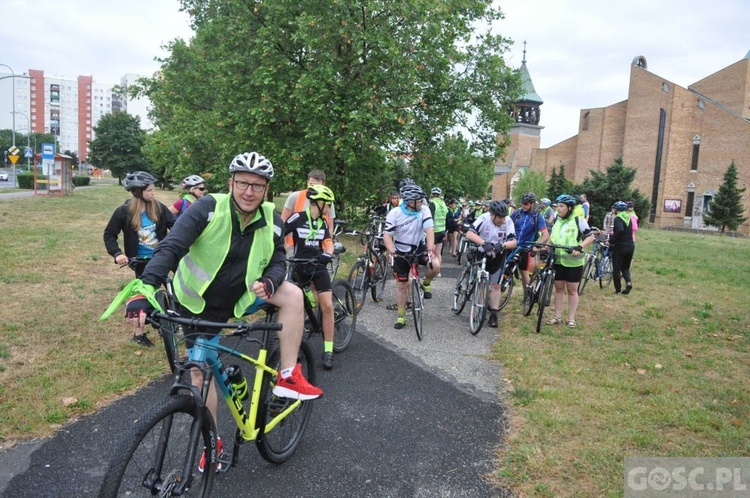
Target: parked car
[{"x": 3, "y": 175}]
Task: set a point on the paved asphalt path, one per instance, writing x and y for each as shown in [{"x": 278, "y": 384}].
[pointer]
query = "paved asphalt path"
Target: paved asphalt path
[{"x": 399, "y": 418}]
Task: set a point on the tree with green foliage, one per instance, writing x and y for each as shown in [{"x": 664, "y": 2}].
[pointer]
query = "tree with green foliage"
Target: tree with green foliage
[
  {"x": 530, "y": 181},
  {"x": 558, "y": 184},
  {"x": 118, "y": 145},
  {"x": 726, "y": 209},
  {"x": 74, "y": 156},
  {"x": 35, "y": 140},
  {"x": 604, "y": 189},
  {"x": 346, "y": 88}
]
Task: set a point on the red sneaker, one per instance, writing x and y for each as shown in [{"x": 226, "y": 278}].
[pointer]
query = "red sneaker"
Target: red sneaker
[
  {"x": 219, "y": 453},
  {"x": 296, "y": 386}
]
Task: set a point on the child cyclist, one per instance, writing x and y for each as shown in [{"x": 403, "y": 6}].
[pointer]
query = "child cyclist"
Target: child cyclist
[{"x": 310, "y": 236}]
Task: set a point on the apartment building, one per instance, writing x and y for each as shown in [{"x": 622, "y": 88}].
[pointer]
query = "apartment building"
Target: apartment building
[{"x": 67, "y": 108}]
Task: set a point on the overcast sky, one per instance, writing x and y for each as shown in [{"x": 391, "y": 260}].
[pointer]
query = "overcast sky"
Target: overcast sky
[{"x": 578, "y": 51}]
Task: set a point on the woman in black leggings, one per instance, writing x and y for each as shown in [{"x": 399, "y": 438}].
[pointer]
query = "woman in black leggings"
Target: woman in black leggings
[{"x": 622, "y": 246}]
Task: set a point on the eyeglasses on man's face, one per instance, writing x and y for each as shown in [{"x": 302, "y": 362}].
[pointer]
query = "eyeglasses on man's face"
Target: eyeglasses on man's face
[
  {"x": 242, "y": 186},
  {"x": 202, "y": 189}
]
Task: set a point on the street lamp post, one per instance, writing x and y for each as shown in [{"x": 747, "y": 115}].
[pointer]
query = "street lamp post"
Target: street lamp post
[
  {"x": 13, "y": 73},
  {"x": 28, "y": 136},
  {"x": 13, "y": 131}
]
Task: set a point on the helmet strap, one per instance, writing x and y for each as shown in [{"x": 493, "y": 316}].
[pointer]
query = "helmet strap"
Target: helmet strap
[{"x": 315, "y": 225}]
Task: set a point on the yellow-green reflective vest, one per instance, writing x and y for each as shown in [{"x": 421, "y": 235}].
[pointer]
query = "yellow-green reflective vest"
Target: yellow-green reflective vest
[
  {"x": 565, "y": 233},
  {"x": 441, "y": 211},
  {"x": 200, "y": 265}
]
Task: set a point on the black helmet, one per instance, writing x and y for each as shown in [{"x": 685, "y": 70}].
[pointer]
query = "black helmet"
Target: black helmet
[
  {"x": 528, "y": 197},
  {"x": 138, "y": 180},
  {"x": 498, "y": 208}
]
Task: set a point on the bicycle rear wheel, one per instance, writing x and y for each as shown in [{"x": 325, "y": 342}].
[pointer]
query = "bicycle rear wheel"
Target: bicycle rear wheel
[
  {"x": 359, "y": 281},
  {"x": 344, "y": 314},
  {"x": 417, "y": 305},
  {"x": 545, "y": 295},
  {"x": 460, "y": 295},
  {"x": 276, "y": 443},
  {"x": 478, "y": 311},
  {"x": 605, "y": 272},
  {"x": 137, "y": 470}
]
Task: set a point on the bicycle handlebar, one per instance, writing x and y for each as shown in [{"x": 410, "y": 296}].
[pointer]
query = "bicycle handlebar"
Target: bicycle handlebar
[
  {"x": 135, "y": 260},
  {"x": 568, "y": 249},
  {"x": 243, "y": 328}
]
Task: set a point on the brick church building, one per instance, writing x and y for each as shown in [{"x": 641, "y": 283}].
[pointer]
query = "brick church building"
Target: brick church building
[{"x": 680, "y": 140}]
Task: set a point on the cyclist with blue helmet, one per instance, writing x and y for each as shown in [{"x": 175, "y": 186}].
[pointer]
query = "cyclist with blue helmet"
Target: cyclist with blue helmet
[{"x": 569, "y": 230}]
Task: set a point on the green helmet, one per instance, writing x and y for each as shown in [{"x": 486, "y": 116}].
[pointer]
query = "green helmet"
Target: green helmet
[{"x": 320, "y": 193}]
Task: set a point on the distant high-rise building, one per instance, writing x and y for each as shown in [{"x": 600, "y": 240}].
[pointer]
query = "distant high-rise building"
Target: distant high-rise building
[{"x": 66, "y": 108}]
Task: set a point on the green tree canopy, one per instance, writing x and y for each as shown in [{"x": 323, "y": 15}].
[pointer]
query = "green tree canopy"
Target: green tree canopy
[
  {"x": 118, "y": 144},
  {"x": 726, "y": 209},
  {"x": 530, "y": 181},
  {"x": 558, "y": 184},
  {"x": 351, "y": 89}
]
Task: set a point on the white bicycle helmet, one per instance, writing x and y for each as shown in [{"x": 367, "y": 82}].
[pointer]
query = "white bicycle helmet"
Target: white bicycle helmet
[
  {"x": 252, "y": 162},
  {"x": 192, "y": 181},
  {"x": 436, "y": 191}
]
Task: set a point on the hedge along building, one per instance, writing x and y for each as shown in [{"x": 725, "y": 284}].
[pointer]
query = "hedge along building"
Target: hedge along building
[{"x": 680, "y": 141}]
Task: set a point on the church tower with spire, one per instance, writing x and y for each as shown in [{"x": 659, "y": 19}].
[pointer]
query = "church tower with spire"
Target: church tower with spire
[{"x": 522, "y": 138}]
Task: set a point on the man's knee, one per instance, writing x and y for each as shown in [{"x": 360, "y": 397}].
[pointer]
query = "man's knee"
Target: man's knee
[{"x": 287, "y": 295}]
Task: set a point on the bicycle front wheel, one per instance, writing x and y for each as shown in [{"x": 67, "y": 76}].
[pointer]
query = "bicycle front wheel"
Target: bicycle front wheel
[
  {"x": 460, "y": 291},
  {"x": 377, "y": 279},
  {"x": 586, "y": 275},
  {"x": 152, "y": 460},
  {"x": 344, "y": 314},
  {"x": 359, "y": 281},
  {"x": 279, "y": 436},
  {"x": 479, "y": 302},
  {"x": 545, "y": 297},
  {"x": 417, "y": 305},
  {"x": 605, "y": 272},
  {"x": 529, "y": 294}
]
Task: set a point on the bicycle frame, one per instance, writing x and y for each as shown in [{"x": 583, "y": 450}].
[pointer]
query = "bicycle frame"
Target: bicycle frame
[{"x": 206, "y": 357}]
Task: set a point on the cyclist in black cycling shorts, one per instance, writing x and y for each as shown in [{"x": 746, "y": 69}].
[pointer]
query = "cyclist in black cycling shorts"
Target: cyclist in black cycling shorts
[{"x": 310, "y": 236}]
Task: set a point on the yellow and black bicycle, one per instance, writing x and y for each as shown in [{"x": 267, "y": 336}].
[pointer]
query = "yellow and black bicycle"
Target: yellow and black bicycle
[{"x": 160, "y": 457}]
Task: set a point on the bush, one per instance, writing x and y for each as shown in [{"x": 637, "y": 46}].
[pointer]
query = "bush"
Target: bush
[
  {"x": 26, "y": 180},
  {"x": 81, "y": 181}
]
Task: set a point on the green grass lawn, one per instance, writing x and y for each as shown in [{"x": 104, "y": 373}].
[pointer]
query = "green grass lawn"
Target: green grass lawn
[{"x": 661, "y": 372}]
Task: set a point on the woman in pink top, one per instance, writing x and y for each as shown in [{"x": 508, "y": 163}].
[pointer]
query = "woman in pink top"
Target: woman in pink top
[{"x": 633, "y": 218}]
